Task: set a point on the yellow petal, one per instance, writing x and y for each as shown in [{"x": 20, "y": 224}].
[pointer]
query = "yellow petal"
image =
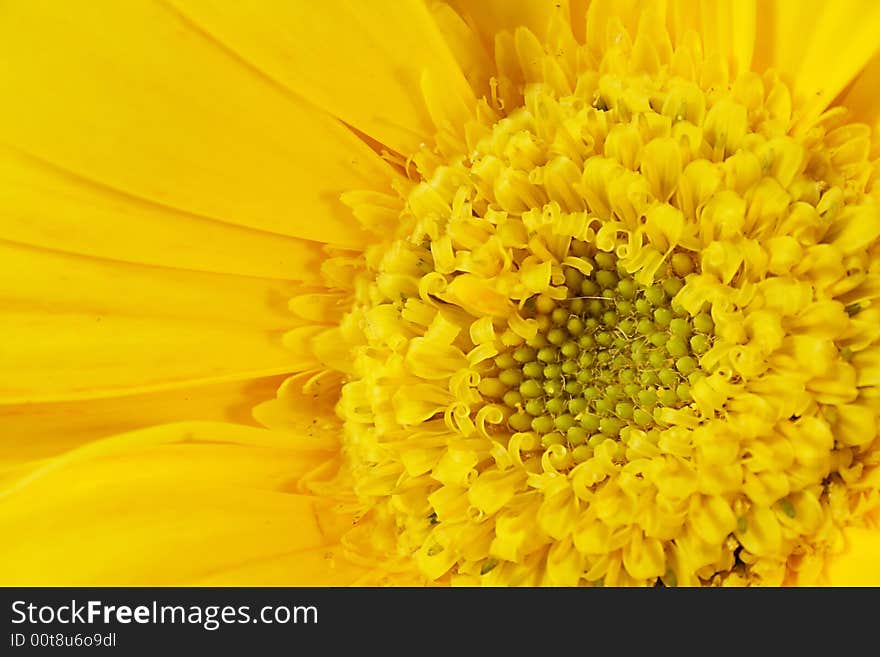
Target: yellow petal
[
  {"x": 44, "y": 206},
  {"x": 70, "y": 356},
  {"x": 727, "y": 27},
  {"x": 821, "y": 46},
  {"x": 858, "y": 564},
  {"x": 601, "y": 18},
  {"x": 321, "y": 566},
  {"x": 861, "y": 99},
  {"x": 169, "y": 505},
  {"x": 362, "y": 62},
  {"x": 37, "y": 280},
  {"x": 491, "y": 16},
  {"x": 131, "y": 96},
  {"x": 34, "y": 432},
  {"x": 465, "y": 45}
]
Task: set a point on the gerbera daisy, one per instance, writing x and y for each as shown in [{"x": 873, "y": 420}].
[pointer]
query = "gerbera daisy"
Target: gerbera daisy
[{"x": 512, "y": 293}]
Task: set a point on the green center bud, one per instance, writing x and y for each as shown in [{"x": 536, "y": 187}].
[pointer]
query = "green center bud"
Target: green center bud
[{"x": 605, "y": 358}]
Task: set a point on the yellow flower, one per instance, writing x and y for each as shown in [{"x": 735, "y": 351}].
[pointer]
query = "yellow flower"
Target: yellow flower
[{"x": 494, "y": 292}]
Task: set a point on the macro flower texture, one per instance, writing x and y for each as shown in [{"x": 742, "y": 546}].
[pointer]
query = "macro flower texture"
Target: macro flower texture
[{"x": 411, "y": 292}]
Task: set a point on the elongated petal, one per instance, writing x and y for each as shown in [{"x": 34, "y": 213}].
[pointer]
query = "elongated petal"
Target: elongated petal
[
  {"x": 491, "y": 16},
  {"x": 861, "y": 100},
  {"x": 726, "y": 26},
  {"x": 38, "y": 280},
  {"x": 33, "y": 433},
  {"x": 821, "y": 46},
  {"x": 169, "y": 505},
  {"x": 69, "y": 356},
  {"x": 77, "y": 327},
  {"x": 130, "y": 95},
  {"x": 362, "y": 62},
  {"x": 47, "y": 207},
  {"x": 858, "y": 564},
  {"x": 321, "y": 566}
]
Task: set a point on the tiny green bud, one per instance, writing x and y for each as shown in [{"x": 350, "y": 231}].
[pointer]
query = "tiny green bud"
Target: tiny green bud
[
  {"x": 647, "y": 398},
  {"x": 642, "y": 417},
  {"x": 589, "y": 288},
  {"x": 626, "y": 288},
  {"x": 564, "y": 422},
  {"x": 683, "y": 392},
  {"x": 512, "y": 398},
  {"x": 672, "y": 285},
  {"x": 542, "y": 424},
  {"x": 703, "y": 323},
  {"x": 570, "y": 367},
  {"x": 605, "y": 260},
  {"x": 624, "y": 410},
  {"x": 581, "y": 453},
  {"x": 676, "y": 346},
  {"x": 655, "y": 295},
  {"x": 559, "y": 316},
  {"x": 556, "y": 336},
  {"x": 680, "y": 327},
  {"x": 662, "y": 316},
  {"x": 590, "y": 422},
  {"x": 668, "y": 376},
  {"x": 511, "y": 378},
  {"x": 700, "y": 343},
  {"x": 552, "y": 438},
  {"x": 534, "y": 407},
  {"x": 575, "y": 326},
  {"x": 658, "y": 339},
  {"x": 682, "y": 264},
  {"x": 530, "y": 389},
  {"x": 520, "y": 421},
  {"x": 686, "y": 365},
  {"x": 524, "y": 355},
  {"x": 548, "y": 355},
  {"x": 576, "y": 435},
  {"x": 570, "y": 349},
  {"x": 610, "y": 426}
]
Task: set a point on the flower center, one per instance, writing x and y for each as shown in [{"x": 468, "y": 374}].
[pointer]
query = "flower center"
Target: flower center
[
  {"x": 621, "y": 330},
  {"x": 605, "y": 358}
]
